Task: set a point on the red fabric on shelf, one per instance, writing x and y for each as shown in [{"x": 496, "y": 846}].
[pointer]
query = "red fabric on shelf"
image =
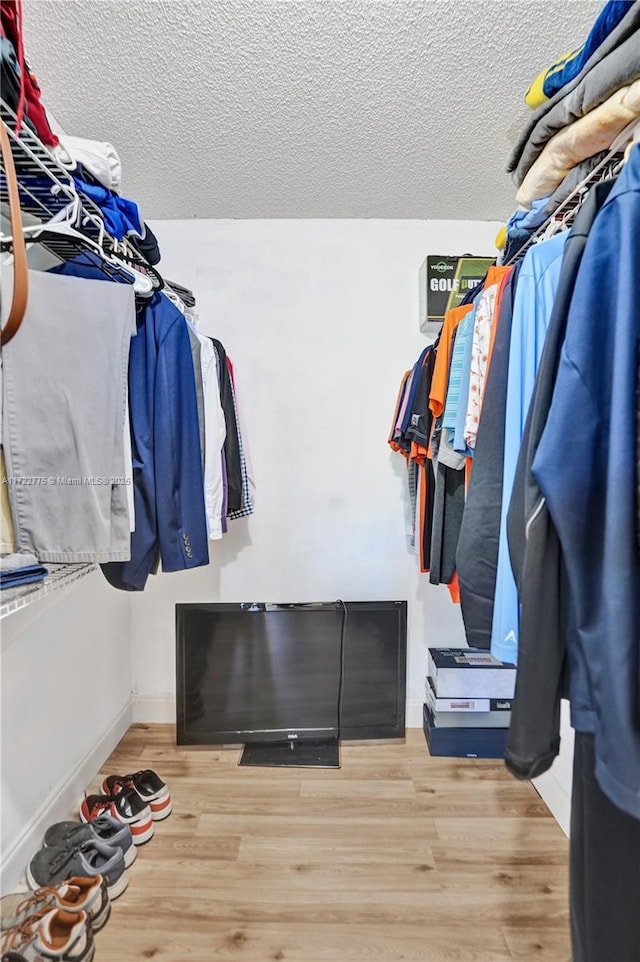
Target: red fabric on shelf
[{"x": 11, "y": 18}]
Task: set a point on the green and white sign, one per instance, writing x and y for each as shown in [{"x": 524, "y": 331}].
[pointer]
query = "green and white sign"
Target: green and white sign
[{"x": 444, "y": 281}]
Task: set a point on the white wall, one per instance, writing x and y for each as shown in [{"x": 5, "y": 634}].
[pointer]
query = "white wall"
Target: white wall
[
  {"x": 65, "y": 684},
  {"x": 321, "y": 321},
  {"x": 555, "y": 785}
]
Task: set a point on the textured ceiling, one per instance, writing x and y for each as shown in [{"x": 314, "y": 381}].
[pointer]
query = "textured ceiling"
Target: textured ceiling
[{"x": 302, "y": 108}]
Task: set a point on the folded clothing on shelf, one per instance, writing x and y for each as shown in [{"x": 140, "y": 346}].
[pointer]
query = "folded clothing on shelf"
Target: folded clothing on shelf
[
  {"x": 100, "y": 158},
  {"x": 20, "y": 569}
]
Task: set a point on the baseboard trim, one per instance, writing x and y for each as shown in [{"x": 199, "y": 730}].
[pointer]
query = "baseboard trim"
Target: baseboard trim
[
  {"x": 556, "y": 798},
  {"x": 152, "y": 709},
  {"x": 60, "y": 802},
  {"x": 413, "y": 713}
]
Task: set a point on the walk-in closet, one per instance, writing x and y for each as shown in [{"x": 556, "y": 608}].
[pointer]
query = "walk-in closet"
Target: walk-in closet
[{"x": 320, "y": 480}]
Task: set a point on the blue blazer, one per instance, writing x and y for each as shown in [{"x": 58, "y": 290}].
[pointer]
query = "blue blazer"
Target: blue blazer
[{"x": 165, "y": 442}]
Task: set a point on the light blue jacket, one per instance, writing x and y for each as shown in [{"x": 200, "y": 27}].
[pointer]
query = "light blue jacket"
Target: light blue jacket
[{"x": 535, "y": 292}]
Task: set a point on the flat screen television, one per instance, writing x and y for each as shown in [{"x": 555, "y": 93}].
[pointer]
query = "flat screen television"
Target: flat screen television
[{"x": 290, "y": 674}]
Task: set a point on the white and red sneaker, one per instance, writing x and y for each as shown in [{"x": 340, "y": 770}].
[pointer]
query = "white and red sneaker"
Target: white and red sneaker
[
  {"x": 149, "y": 786},
  {"x": 127, "y": 806}
]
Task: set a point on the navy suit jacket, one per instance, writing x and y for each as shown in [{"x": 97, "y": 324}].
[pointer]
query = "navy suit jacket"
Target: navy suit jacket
[{"x": 165, "y": 441}]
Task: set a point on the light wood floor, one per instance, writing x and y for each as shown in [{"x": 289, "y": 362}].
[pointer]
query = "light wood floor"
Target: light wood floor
[{"x": 396, "y": 856}]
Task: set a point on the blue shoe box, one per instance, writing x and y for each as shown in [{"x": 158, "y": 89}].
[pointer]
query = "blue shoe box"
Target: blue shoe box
[{"x": 463, "y": 742}]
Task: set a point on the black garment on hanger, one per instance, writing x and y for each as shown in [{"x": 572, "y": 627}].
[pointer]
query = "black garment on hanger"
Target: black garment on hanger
[
  {"x": 147, "y": 246},
  {"x": 419, "y": 431},
  {"x": 231, "y": 443},
  {"x": 477, "y": 555},
  {"x": 447, "y": 519},
  {"x": 447, "y": 498},
  {"x": 534, "y": 734},
  {"x": 604, "y": 869}
]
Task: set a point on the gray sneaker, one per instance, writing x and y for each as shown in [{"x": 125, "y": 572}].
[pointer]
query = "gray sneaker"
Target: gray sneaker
[
  {"x": 106, "y": 828},
  {"x": 93, "y": 857},
  {"x": 51, "y": 936},
  {"x": 75, "y": 895}
]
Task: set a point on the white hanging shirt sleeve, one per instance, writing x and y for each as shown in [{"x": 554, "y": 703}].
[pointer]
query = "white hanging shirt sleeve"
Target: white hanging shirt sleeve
[{"x": 215, "y": 433}]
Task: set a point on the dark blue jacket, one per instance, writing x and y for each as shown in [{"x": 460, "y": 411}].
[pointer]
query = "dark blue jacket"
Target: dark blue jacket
[
  {"x": 585, "y": 467},
  {"x": 165, "y": 441}
]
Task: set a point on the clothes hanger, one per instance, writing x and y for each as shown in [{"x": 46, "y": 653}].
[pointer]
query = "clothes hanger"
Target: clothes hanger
[
  {"x": 173, "y": 297},
  {"x": 67, "y": 244},
  {"x": 142, "y": 283},
  {"x": 125, "y": 253},
  {"x": 186, "y": 296}
]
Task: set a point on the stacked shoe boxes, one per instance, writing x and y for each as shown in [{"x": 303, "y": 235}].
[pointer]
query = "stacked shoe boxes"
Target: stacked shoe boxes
[{"x": 467, "y": 710}]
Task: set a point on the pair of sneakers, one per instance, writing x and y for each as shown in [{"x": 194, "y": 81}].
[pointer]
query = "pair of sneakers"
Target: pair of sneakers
[
  {"x": 105, "y": 848},
  {"x": 137, "y": 800},
  {"x": 54, "y": 923}
]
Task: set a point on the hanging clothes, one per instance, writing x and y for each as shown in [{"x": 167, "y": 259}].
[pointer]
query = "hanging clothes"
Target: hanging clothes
[
  {"x": 591, "y": 495},
  {"x": 460, "y": 415},
  {"x": 412, "y": 442},
  {"x": 417, "y": 435},
  {"x": 246, "y": 507},
  {"x": 215, "y": 433},
  {"x": 447, "y": 518},
  {"x": 167, "y": 460},
  {"x": 448, "y": 466},
  {"x": 448, "y": 488},
  {"x": 458, "y": 379},
  {"x": 64, "y": 391},
  {"x": 483, "y": 327},
  {"x": 7, "y": 534},
  {"x": 231, "y": 446},
  {"x": 537, "y": 284},
  {"x": 604, "y": 855},
  {"x": 396, "y": 444},
  {"x": 196, "y": 360},
  {"x": 534, "y": 733},
  {"x": 438, "y": 392},
  {"x": 477, "y": 554}
]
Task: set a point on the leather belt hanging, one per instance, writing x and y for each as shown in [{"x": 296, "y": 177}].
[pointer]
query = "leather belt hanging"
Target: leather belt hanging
[{"x": 20, "y": 270}]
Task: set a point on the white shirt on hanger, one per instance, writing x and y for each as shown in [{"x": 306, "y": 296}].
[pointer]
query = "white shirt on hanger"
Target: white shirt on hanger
[{"x": 215, "y": 432}]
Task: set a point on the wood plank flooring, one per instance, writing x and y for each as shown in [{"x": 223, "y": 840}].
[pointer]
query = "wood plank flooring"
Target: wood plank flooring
[{"x": 396, "y": 856}]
